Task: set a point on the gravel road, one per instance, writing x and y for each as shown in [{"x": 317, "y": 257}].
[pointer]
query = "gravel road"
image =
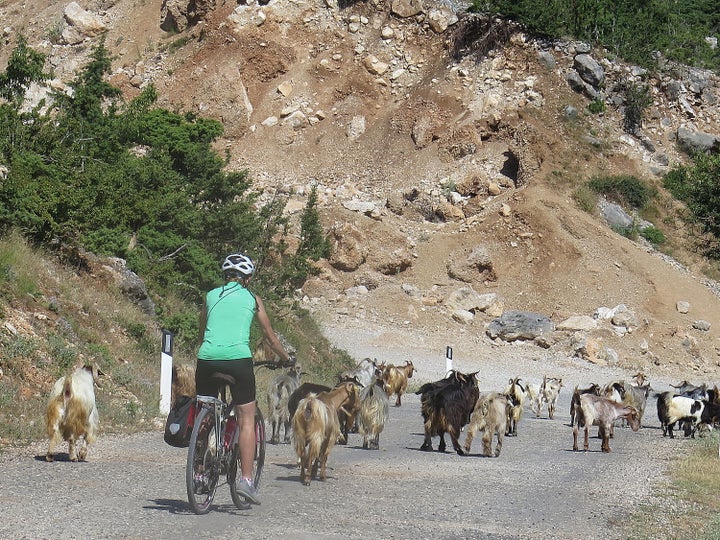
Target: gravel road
[{"x": 133, "y": 486}]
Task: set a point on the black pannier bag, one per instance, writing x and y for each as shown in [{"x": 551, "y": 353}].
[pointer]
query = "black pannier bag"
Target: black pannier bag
[{"x": 180, "y": 420}]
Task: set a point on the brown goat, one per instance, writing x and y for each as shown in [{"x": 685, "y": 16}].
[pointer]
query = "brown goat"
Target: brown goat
[
  {"x": 600, "y": 411},
  {"x": 183, "y": 382},
  {"x": 315, "y": 430},
  {"x": 345, "y": 400},
  {"x": 489, "y": 416},
  {"x": 396, "y": 378},
  {"x": 348, "y": 409}
]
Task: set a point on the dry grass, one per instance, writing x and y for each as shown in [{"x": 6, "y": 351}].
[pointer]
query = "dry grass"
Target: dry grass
[
  {"x": 689, "y": 506},
  {"x": 54, "y": 319}
]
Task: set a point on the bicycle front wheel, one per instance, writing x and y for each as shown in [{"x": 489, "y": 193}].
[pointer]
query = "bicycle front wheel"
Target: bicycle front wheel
[
  {"x": 202, "y": 469},
  {"x": 258, "y": 462}
]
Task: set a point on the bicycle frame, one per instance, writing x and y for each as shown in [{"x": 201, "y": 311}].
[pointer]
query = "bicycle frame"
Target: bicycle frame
[
  {"x": 218, "y": 407},
  {"x": 208, "y": 460}
]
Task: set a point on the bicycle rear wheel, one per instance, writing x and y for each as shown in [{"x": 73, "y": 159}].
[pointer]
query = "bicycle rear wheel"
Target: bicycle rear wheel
[
  {"x": 258, "y": 462},
  {"x": 202, "y": 470}
]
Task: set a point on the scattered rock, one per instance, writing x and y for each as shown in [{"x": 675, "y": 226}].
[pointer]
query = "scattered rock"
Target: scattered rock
[{"x": 519, "y": 325}]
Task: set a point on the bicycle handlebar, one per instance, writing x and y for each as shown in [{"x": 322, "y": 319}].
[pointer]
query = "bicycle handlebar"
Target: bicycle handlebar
[{"x": 271, "y": 364}]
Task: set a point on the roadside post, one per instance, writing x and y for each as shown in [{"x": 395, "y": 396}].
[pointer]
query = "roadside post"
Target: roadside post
[
  {"x": 448, "y": 359},
  {"x": 166, "y": 362}
]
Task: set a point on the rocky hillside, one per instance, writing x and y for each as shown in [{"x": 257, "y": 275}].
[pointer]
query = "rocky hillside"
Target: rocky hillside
[{"x": 446, "y": 172}]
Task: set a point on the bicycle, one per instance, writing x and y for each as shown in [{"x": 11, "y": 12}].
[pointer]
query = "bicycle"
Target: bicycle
[{"x": 213, "y": 451}]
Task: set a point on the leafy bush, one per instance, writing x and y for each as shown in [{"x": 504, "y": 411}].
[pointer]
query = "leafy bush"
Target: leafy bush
[
  {"x": 596, "y": 106},
  {"x": 629, "y": 29},
  {"x": 637, "y": 99},
  {"x": 697, "y": 186},
  {"x": 653, "y": 235},
  {"x": 624, "y": 189},
  {"x": 586, "y": 199}
]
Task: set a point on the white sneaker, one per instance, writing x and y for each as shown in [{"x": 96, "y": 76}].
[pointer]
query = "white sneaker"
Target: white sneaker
[{"x": 247, "y": 490}]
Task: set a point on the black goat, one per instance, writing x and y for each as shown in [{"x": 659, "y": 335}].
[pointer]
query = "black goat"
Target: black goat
[
  {"x": 302, "y": 392},
  {"x": 446, "y": 406}
]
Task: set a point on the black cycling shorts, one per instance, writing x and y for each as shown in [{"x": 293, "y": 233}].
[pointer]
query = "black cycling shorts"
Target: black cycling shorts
[{"x": 242, "y": 371}]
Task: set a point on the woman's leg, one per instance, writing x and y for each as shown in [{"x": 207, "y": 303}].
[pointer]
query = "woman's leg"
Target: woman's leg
[{"x": 246, "y": 416}]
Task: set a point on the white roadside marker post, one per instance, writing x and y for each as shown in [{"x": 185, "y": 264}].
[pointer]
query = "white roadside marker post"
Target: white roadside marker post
[{"x": 166, "y": 362}]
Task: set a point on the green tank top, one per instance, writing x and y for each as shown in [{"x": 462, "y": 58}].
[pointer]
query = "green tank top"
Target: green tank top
[{"x": 230, "y": 312}]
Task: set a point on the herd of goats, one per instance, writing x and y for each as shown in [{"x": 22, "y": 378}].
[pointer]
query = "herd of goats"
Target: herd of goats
[{"x": 319, "y": 416}]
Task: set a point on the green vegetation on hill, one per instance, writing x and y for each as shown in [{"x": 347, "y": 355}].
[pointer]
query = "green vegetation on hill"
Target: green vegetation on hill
[
  {"x": 635, "y": 30},
  {"x": 142, "y": 183},
  {"x": 131, "y": 180}
]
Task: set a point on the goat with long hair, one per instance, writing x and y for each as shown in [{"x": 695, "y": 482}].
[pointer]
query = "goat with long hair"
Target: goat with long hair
[
  {"x": 446, "y": 406},
  {"x": 490, "y": 416},
  {"x": 396, "y": 379},
  {"x": 374, "y": 412},
  {"x": 71, "y": 414},
  {"x": 315, "y": 430}
]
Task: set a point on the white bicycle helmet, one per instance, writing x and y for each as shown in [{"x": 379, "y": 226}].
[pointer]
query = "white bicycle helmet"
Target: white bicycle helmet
[{"x": 240, "y": 263}]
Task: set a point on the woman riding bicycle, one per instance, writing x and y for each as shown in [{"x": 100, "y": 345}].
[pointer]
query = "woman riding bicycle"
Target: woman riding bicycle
[{"x": 225, "y": 321}]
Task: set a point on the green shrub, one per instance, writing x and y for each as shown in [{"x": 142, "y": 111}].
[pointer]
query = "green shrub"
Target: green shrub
[
  {"x": 624, "y": 189},
  {"x": 653, "y": 235},
  {"x": 596, "y": 106},
  {"x": 632, "y": 30},
  {"x": 637, "y": 98},
  {"x": 698, "y": 187}
]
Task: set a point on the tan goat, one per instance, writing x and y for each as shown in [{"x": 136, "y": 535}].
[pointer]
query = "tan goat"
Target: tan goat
[
  {"x": 515, "y": 393},
  {"x": 315, "y": 430},
  {"x": 489, "y": 416},
  {"x": 316, "y": 427},
  {"x": 183, "y": 382},
  {"x": 395, "y": 379}
]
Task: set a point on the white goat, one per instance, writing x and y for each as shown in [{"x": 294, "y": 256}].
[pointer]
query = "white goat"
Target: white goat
[
  {"x": 364, "y": 373},
  {"x": 374, "y": 412},
  {"x": 549, "y": 394},
  {"x": 71, "y": 413},
  {"x": 592, "y": 410},
  {"x": 671, "y": 408}
]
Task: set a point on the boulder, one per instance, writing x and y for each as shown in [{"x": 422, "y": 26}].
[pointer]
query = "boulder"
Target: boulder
[
  {"x": 471, "y": 265},
  {"x": 115, "y": 270},
  {"x": 441, "y": 17},
  {"x": 178, "y": 15},
  {"x": 407, "y": 8},
  {"x": 589, "y": 70},
  {"x": 347, "y": 251},
  {"x": 467, "y": 299},
  {"x": 81, "y": 24},
  {"x": 520, "y": 325},
  {"x": 697, "y": 141}
]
